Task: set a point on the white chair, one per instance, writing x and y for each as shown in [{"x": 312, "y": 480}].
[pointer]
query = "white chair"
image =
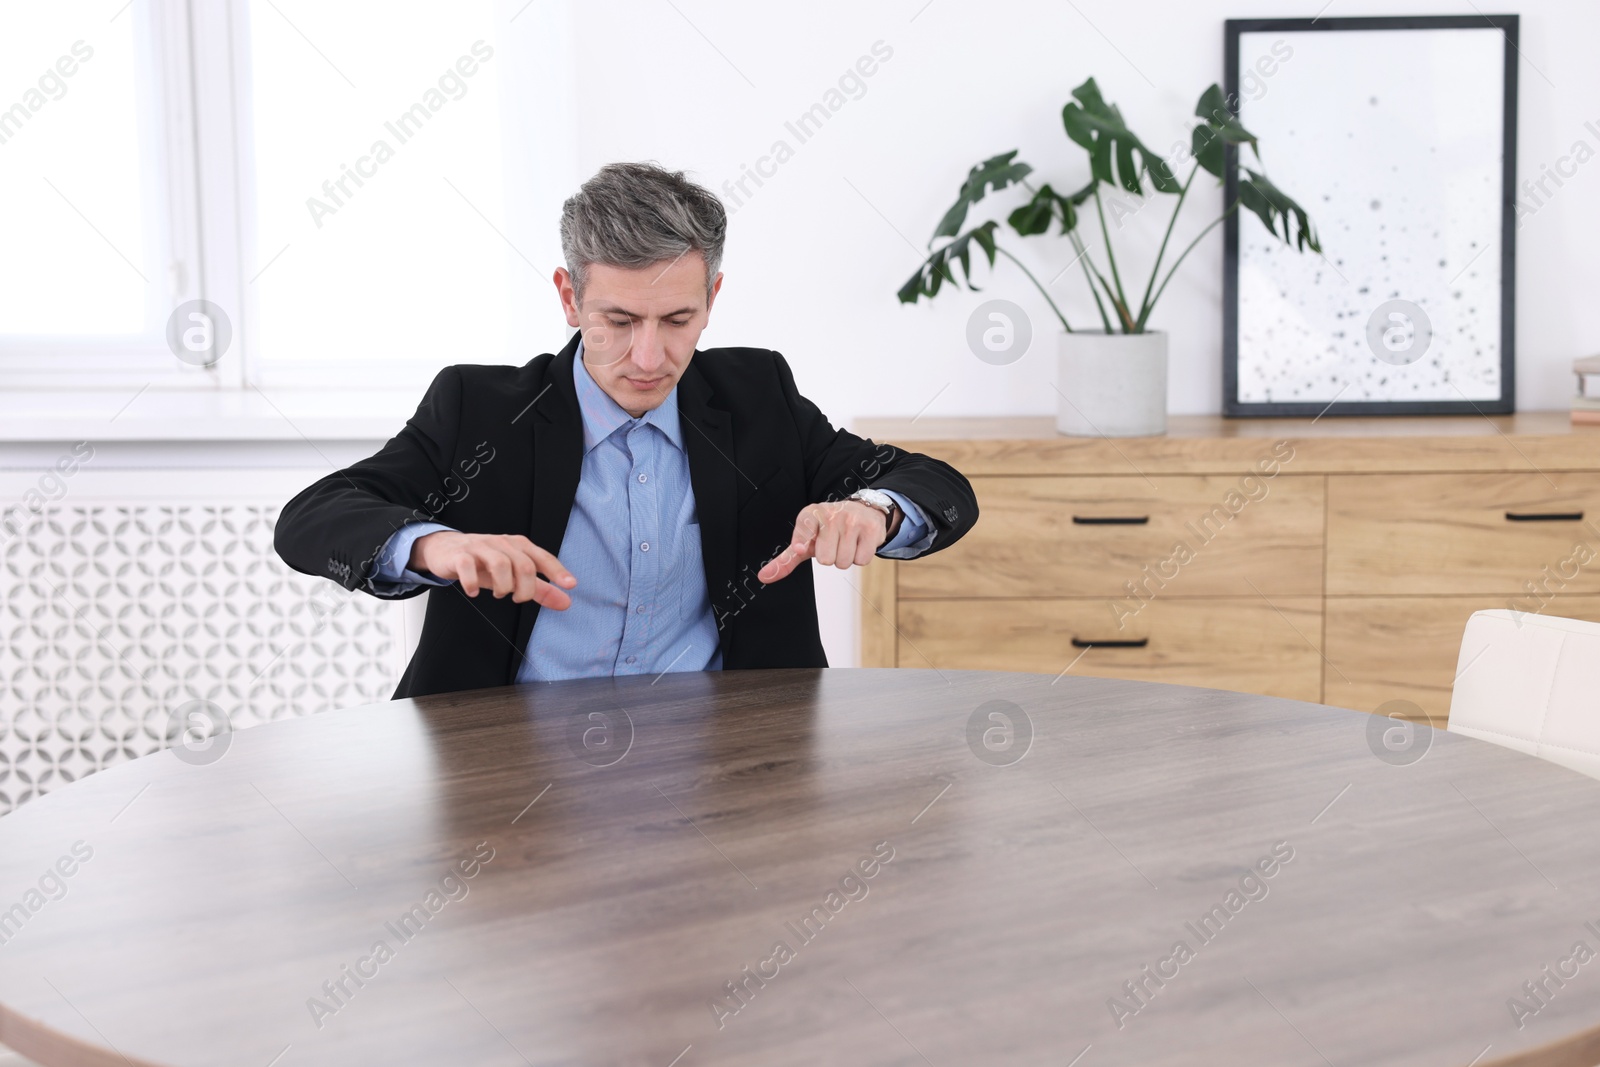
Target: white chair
[{"x": 1532, "y": 683}]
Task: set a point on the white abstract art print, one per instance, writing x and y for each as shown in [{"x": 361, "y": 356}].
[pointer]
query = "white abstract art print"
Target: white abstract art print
[{"x": 1395, "y": 140}]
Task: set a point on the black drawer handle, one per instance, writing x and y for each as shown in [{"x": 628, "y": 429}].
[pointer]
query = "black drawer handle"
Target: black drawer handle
[
  {"x": 1551, "y": 516},
  {"x": 1110, "y": 644},
  {"x": 1110, "y": 520}
]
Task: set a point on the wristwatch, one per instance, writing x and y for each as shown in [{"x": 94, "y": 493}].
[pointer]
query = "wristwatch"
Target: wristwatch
[{"x": 876, "y": 498}]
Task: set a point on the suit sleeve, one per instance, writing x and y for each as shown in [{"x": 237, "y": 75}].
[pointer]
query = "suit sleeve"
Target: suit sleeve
[
  {"x": 837, "y": 463},
  {"x": 338, "y": 526},
  {"x": 914, "y": 537}
]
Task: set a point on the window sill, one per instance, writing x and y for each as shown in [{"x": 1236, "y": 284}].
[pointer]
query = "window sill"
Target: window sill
[{"x": 209, "y": 415}]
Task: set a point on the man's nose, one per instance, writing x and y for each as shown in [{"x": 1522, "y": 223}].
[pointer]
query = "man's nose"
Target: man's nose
[{"x": 649, "y": 353}]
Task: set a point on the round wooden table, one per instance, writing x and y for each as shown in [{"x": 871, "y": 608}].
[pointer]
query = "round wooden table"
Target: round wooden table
[{"x": 810, "y": 867}]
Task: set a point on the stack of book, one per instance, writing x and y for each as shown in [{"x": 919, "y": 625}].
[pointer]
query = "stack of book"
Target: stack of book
[{"x": 1586, "y": 404}]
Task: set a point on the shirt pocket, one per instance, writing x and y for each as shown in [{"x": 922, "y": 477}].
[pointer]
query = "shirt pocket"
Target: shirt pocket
[{"x": 688, "y": 583}]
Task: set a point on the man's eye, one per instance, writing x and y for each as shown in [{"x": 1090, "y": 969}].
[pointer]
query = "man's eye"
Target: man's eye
[
  {"x": 619, "y": 325},
  {"x": 675, "y": 322}
]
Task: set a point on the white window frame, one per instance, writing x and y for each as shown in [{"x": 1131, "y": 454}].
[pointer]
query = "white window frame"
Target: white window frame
[
  {"x": 195, "y": 62},
  {"x": 180, "y": 203}
]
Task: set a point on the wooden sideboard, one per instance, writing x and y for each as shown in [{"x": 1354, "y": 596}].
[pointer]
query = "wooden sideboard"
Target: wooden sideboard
[{"x": 1332, "y": 560}]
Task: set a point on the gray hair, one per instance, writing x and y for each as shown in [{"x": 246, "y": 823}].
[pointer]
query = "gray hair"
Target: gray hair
[{"x": 634, "y": 215}]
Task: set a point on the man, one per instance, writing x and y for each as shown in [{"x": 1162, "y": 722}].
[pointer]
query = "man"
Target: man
[{"x": 687, "y": 492}]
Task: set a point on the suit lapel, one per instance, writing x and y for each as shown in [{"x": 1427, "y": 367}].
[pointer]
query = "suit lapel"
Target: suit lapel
[
  {"x": 708, "y": 440},
  {"x": 557, "y": 464}
]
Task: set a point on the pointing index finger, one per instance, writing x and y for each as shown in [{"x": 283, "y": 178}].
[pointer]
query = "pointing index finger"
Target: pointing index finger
[
  {"x": 551, "y": 567},
  {"x": 783, "y": 563}
]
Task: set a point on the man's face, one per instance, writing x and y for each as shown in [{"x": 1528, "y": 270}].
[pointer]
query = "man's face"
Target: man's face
[{"x": 640, "y": 327}]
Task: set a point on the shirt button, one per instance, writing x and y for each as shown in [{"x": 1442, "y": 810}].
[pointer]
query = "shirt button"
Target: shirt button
[
  {"x": 643, "y": 477},
  {"x": 644, "y": 546},
  {"x": 632, "y": 658},
  {"x": 640, "y": 609}
]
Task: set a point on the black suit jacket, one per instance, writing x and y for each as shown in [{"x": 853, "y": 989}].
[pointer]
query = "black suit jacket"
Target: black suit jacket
[{"x": 498, "y": 449}]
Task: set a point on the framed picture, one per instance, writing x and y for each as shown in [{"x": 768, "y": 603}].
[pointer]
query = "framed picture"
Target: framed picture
[{"x": 1398, "y": 137}]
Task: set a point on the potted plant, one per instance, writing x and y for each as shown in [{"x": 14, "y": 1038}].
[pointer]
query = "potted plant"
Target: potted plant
[{"x": 1113, "y": 381}]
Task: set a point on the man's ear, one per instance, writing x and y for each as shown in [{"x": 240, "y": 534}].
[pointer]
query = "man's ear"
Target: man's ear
[
  {"x": 711, "y": 297},
  {"x": 568, "y": 297}
]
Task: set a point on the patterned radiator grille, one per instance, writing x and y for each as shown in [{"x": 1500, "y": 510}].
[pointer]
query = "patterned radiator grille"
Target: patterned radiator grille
[{"x": 113, "y": 616}]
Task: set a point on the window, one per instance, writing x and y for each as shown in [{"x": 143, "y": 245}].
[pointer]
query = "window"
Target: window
[
  {"x": 330, "y": 179},
  {"x": 96, "y": 248}
]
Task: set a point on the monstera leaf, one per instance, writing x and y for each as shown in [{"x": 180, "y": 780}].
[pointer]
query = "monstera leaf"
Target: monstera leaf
[
  {"x": 937, "y": 268},
  {"x": 1097, "y": 127},
  {"x": 1273, "y": 205},
  {"x": 994, "y": 174},
  {"x": 1034, "y": 216},
  {"x": 1116, "y": 158},
  {"x": 1220, "y": 128}
]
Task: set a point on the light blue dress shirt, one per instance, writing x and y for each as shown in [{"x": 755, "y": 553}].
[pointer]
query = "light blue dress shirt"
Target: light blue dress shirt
[{"x": 641, "y": 605}]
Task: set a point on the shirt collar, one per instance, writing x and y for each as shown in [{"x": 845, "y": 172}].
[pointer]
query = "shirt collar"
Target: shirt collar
[{"x": 602, "y": 416}]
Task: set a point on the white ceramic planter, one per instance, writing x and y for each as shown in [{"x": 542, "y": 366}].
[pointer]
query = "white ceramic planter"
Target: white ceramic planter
[{"x": 1112, "y": 385}]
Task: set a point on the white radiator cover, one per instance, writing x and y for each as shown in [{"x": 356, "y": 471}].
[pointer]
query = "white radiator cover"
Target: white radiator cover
[{"x": 129, "y": 593}]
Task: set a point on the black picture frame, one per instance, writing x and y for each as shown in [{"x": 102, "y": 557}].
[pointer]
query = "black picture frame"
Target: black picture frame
[{"x": 1507, "y": 25}]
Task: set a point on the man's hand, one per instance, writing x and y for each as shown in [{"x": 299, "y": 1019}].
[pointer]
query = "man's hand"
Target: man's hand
[
  {"x": 841, "y": 533},
  {"x": 501, "y": 563}
]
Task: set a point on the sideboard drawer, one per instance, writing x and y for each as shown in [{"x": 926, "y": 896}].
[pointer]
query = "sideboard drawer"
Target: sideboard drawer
[
  {"x": 1383, "y": 649},
  {"x": 1244, "y": 644},
  {"x": 1091, "y": 536},
  {"x": 1464, "y": 533}
]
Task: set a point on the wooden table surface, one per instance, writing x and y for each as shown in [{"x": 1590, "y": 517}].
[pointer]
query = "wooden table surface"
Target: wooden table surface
[{"x": 579, "y": 873}]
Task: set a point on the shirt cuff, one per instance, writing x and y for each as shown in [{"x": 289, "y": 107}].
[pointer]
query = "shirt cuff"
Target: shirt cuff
[
  {"x": 390, "y": 575},
  {"x": 914, "y": 536}
]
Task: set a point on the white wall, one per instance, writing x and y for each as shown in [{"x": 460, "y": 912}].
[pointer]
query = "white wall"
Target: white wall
[{"x": 815, "y": 256}]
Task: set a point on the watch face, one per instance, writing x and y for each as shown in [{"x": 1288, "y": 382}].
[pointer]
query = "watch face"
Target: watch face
[{"x": 875, "y": 496}]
